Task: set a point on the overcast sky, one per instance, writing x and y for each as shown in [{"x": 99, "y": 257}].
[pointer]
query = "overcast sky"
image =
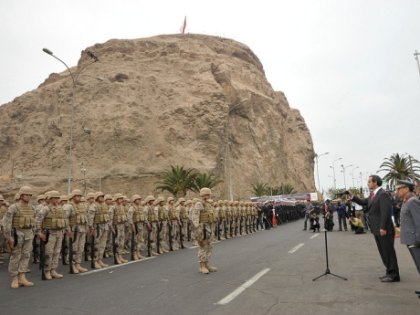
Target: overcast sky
[{"x": 348, "y": 66}]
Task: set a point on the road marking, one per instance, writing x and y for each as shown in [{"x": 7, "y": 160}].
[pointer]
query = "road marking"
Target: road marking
[
  {"x": 294, "y": 249},
  {"x": 192, "y": 247},
  {"x": 242, "y": 287},
  {"x": 313, "y": 236},
  {"x": 114, "y": 266}
]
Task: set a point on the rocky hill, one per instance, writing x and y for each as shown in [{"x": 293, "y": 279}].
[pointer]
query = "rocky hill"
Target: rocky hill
[{"x": 193, "y": 100}]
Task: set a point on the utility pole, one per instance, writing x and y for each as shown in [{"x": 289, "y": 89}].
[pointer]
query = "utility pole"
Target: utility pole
[
  {"x": 416, "y": 56},
  {"x": 333, "y": 168},
  {"x": 317, "y": 156},
  {"x": 83, "y": 169}
]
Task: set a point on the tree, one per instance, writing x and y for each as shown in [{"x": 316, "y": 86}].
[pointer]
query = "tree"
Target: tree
[
  {"x": 208, "y": 180},
  {"x": 259, "y": 189},
  {"x": 177, "y": 180},
  {"x": 283, "y": 189},
  {"x": 400, "y": 167}
]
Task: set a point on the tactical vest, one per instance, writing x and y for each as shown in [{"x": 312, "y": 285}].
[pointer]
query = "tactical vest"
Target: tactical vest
[
  {"x": 119, "y": 215},
  {"x": 24, "y": 217},
  {"x": 101, "y": 214},
  {"x": 79, "y": 216},
  {"x": 138, "y": 215},
  {"x": 2, "y": 212},
  {"x": 207, "y": 215},
  {"x": 228, "y": 213},
  {"x": 171, "y": 213},
  {"x": 222, "y": 212},
  {"x": 183, "y": 213},
  {"x": 54, "y": 220},
  {"x": 162, "y": 214},
  {"x": 151, "y": 216}
]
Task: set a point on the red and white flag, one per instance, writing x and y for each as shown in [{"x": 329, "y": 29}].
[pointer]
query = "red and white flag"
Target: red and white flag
[{"x": 184, "y": 26}]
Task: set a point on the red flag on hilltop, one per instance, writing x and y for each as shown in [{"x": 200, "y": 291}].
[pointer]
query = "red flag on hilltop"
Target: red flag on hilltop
[{"x": 184, "y": 25}]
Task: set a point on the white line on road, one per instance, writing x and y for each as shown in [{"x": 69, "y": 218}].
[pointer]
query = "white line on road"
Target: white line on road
[
  {"x": 313, "y": 236},
  {"x": 228, "y": 298},
  {"x": 114, "y": 266},
  {"x": 294, "y": 249},
  {"x": 192, "y": 247}
]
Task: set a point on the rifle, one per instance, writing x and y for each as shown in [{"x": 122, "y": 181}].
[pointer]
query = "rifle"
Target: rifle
[
  {"x": 158, "y": 237},
  {"x": 218, "y": 229},
  {"x": 42, "y": 254},
  {"x": 236, "y": 227},
  {"x": 181, "y": 236},
  {"x": 64, "y": 250},
  {"x": 230, "y": 228},
  {"x": 188, "y": 231},
  {"x": 114, "y": 245},
  {"x": 170, "y": 235},
  {"x": 92, "y": 248},
  {"x": 71, "y": 251},
  {"x": 149, "y": 241},
  {"x": 132, "y": 249},
  {"x": 225, "y": 228}
]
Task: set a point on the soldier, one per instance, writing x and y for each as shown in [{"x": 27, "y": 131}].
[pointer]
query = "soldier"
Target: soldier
[
  {"x": 51, "y": 219},
  {"x": 136, "y": 218},
  {"x": 202, "y": 216},
  {"x": 182, "y": 214},
  {"x": 18, "y": 223},
  {"x": 3, "y": 210},
  {"x": 188, "y": 206},
  {"x": 127, "y": 230},
  {"x": 228, "y": 213},
  {"x": 222, "y": 219},
  {"x": 77, "y": 228},
  {"x": 163, "y": 225},
  {"x": 173, "y": 222},
  {"x": 153, "y": 220},
  {"x": 99, "y": 225},
  {"x": 118, "y": 220}
]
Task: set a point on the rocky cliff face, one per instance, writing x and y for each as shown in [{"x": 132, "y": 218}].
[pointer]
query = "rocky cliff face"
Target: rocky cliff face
[{"x": 192, "y": 100}]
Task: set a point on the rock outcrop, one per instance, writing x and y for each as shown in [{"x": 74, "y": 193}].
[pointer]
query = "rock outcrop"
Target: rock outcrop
[{"x": 192, "y": 100}]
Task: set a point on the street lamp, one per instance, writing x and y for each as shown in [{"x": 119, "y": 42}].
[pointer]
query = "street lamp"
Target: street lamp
[
  {"x": 70, "y": 155},
  {"x": 344, "y": 173},
  {"x": 317, "y": 156},
  {"x": 352, "y": 175},
  {"x": 333, "y": 168}
]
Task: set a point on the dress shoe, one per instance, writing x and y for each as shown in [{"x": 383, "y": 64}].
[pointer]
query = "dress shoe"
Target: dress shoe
[
  {"x": 390, "y": 279},
  {"x": 382, "y": 277},
  {"x": 417, "y": 292}
]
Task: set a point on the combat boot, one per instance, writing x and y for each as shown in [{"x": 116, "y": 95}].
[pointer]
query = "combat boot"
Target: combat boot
[
  {"x": 79, "y": 268},
  {"x": 75, "y": 269},
  {"x": 98, "y": 265},
  {"x": 102, "y": 264},
  {"x": 203, "y": 268},
  {"x": 155, "y": 254},
  {"x": 23, "y": 281},
  {"x": 117, "y": 259},
  {"x": 56, "y": 275},
  {"x": 47, "y": 275},
  {"x": 210, "y": 267},
  {"x": 139, "y": 256},
  {"x": 123, "y": 260},
  {"x": 15, "y": 283}
]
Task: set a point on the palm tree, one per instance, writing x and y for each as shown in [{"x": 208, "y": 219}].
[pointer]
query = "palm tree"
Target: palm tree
[
  {"x": 283, "y": 189},
  {"x": 177, "y": 180},
  {"x": 400, "y": 167},
  {"x": 259, "y": 189},
  {"x": 208, "y": 180}
]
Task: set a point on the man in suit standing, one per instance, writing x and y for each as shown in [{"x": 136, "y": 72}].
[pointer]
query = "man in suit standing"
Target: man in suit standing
[
  {"x": 410, "y": 220},
  {"x": 379, "y": 207}
]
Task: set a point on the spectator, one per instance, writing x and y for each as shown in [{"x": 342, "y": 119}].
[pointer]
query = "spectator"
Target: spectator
[{"x": 342, "y": 216}]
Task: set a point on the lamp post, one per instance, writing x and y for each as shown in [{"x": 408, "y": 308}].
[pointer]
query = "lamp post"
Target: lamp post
[
  {"x": 333, "y": 168},
  {"x": 352, "y": 174},
  {"x": 70, "y": 155},
  {"x": 344, "y": 173},
  {"x": 317, "y": 156}
]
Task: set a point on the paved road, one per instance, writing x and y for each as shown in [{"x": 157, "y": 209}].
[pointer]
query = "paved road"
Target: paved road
[{"x": 290, "y": 258}]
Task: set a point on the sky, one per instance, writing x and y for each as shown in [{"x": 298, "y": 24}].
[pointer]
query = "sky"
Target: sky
[{"x": 347, "y": 66}]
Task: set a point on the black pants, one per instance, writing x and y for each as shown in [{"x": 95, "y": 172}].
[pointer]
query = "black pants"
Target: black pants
[
  {"x": 386, "y": 249},
  {"x": 415, "y": 253}
]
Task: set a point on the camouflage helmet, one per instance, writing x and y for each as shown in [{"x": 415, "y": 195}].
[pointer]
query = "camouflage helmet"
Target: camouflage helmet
[
  {"x": 108, "y": 197},
  {"x": 64, "y": 198},
  {"x": 135, "y": 197},
  {"x": 188, "y": 202},
  {"x": 125, "y": 198},
  {"x": 118, "y": 196},
  {"x": 149, "y": 198},
  {"x": 170, "y": 199},
  {"x": 1, "y": 198},
  {"x": 40, "y": 197},
  {"x": 181, "y": 200},
  {"x": 205, "y": 191},
  {"x": 24, "y": 190},
  {"x": 99, "y": 194},
  {"x": 75, "y": 192},
  {"x": 52, "y": 194},
  {"x": 90, "y": 195},
  {"x": 159, "y": 200},
  {"x": 220, "y": 202}
]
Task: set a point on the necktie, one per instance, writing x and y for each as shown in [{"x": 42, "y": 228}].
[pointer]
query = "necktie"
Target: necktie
[{"x": 372, "y": 195}]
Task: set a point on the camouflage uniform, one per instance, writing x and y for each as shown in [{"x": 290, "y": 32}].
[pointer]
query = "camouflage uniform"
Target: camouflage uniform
[
  {"x": 173, "y": 222},
  {"x": 3, "y": 210},
  {"x": 202, "y": 216},
  {"x": 99, "y": 224},
  {"x": 77, "y": 215},
  {"x": 182, "y": 214},
  {"x": 153, "y": 220},
  {"x": 18, "y": 223},
  {"x": 136, "y": 219},
  {"x": 51, "y": 218},
  {"x": 163, "y": 224},
  {"x": 118, "y": 220}
]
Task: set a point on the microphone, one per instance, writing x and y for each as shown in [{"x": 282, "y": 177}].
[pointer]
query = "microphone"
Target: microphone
[{"x": 92, "y": 55}]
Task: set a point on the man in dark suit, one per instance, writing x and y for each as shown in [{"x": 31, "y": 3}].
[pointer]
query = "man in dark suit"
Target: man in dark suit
[
  {"x": 410, "y": 220},
  {"x": 379, "y": 207}
]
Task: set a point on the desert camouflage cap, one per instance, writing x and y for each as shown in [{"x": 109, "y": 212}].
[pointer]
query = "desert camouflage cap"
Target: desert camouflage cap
[
  {"x": 76, "y": 192},
  {"x": 149, "y": 198},
  {"x": 24, "y": 190},
  {"x": 90, "y": 195},
  {"x": 205, "y": 191},
  {"x": 99, "y": 194},
  {"x": 181, "y": 200},
  {"x": 170, "y": 199},
  {"x": 118, "y": 196},
  {"x": 135, "y": 197},
  {"x": 64, "y": 198},
  {"x": 108, "y": 197},
  {"x": 52, "y": 194}
]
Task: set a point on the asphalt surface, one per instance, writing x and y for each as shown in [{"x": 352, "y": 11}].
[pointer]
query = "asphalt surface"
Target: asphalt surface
[{"x": 290, "y": 258}]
